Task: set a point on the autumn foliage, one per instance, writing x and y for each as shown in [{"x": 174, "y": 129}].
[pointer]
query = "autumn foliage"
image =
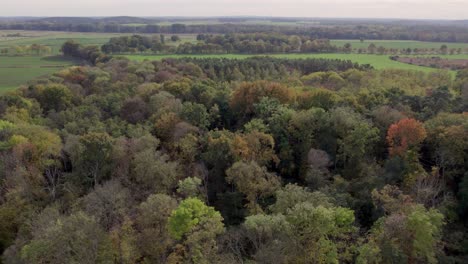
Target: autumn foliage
[
  {"x": 405, "y": 134},
  {"x": 248, "y": 94}
]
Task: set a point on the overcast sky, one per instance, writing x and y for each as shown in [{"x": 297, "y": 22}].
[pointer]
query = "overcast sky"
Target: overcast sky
[{"x": 430, "y": 9}]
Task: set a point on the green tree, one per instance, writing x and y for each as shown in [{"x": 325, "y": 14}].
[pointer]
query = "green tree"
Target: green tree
[
  {"x": 94, "y": 156},
  {"x": 195, "y": 114},
  {"x": 319, "y": 230},
  {"x": 155, "y": 172},
  {"x": 71, "y": 239},
  {"x": 55, "y": 97},
  {"x": 254, "y": 181},
  {"x": 407, "y": 233},
  {"x": 197, "y": 226}
]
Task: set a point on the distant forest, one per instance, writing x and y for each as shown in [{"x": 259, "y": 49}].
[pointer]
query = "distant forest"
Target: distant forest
[{"x": 438, "y": 31}]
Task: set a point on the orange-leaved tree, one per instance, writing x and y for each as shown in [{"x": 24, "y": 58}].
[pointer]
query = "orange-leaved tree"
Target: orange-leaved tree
[{"x": 406, "y": 134}]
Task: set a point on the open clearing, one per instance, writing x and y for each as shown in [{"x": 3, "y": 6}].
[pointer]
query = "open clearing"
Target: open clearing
[{"x": 15, "y": 71}]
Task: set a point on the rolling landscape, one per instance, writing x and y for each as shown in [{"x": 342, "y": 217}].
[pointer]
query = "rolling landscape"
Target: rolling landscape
[{"x": 213, "y": 137}]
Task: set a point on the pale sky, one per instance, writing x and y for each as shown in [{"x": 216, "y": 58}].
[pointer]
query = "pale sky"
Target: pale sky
[{"x": 421, "y": 9}]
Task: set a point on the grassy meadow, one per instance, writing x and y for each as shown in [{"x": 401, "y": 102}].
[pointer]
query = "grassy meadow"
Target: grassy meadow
[
  {"x": 55, "y": 39},
  {"x": 15, "y": 71}
]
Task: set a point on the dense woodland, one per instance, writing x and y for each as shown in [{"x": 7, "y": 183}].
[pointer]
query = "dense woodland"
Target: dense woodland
[
  {"x": 257, "y": 43},
  {"x": 438, "y": 31},
  {"x": 259, "y": 160},
  {"x": 254, "y": 43}
]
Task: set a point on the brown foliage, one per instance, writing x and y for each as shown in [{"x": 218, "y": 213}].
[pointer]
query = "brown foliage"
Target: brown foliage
[
  {"x": 249, "y": 93},
  {"x": 134, "y": 110},
  {"x": 405, "y": 134}
]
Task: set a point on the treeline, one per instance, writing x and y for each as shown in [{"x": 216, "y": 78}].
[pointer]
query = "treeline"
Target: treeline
[
  {"x": 437, "y": 32},
  {"x": 381, "y": 50},
  {"x": 269, "y": 68},
  {"x": 19, "y": 50},
  {"x": 181, "y": 161},
  {"x": 91, "y": 54},
  {"x": 267, "y": 43},
  {"x": 257, "y": 43}
]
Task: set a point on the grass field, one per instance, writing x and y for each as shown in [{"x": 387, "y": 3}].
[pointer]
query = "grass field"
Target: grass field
[
  {"x": 398, "y": 44},
  {"x": 56, "y": 39},
  {"x": 15, "y": 71}
]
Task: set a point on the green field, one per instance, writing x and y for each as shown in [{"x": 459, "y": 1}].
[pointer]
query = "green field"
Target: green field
[
  {"x": 398, "y": 44},
  {"x": 377, "y": 61},
  {"x": 15, "y": 71},
  {"x": 56, "y": 39}
]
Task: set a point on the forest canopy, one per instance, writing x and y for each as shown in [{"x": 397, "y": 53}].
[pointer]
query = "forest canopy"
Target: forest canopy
[{"x": 262, "y": 160}]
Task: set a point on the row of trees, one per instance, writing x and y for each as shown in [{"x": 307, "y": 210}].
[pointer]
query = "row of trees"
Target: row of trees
[
  {"x": 33, "y": 49},
  {"x": 381, "y": 50},
  {"x": 183, "y": 161},
  {"x": 255, "y": 43},
  {"x": 90, "y": 54},
  {"x": 231, "y": 43}
]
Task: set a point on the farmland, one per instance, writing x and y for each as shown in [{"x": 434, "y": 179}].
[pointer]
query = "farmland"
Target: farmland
[
  {"x": 18, "y": 70},
  {"x": 15, "y": 71},
  {"x": 56, "y": 39}
]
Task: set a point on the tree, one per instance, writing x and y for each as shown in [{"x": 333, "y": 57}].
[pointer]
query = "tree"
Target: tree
[
  {"x": 408, "y": 233},
  {"x": 134, "y": 110},
  {"x": 195, "y": 114},
  {"x": 372, "y": 48},
  {"x": 319, "y": 231},
  {"x": 444, "y": 49},
  {"x": 254, "y": 146},
  {"x": 55, "y": 97},
  {"x": 190, "y": 187},
  {"x": 70, "y": 48},
  {"x": 124, "y": 243},
  {"x": 72, "y": 239},
  {"x": 269, "y": 237},
  {"x": 248, "y": 94},
  {"x": 197, "y": 226},
  {"x": 155, "y": 172},
  {"x": 108, "y": 204},
  {"x": 152, "y": 221},
  {"x": 292, "y": 194},
  {"x": 317, "y": 174},
  {"x": 175, "y": 38},
  {"x": 405, "y": 135},
  {"x": 347, "y": 47},
  {"x": 254, "y": 181},
  {"x": 93, "y": 157}
]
